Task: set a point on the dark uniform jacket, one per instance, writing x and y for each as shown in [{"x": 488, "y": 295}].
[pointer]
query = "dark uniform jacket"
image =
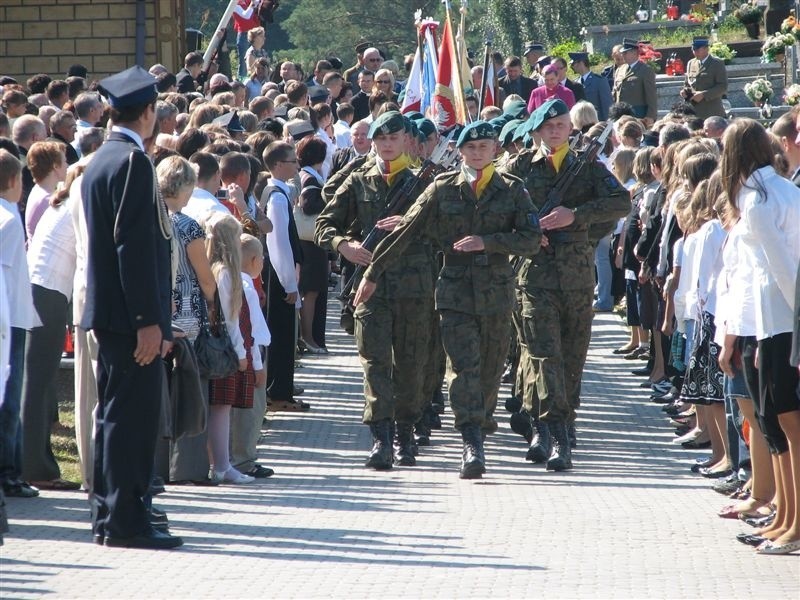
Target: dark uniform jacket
[
  {"x": 185, "y": 82},
  {"x": 352, "y": 214},
  {"x": 596, "y": 197},
  {"x": 472, "y": 283},
  {"x": 598, "y": 92},
  {"x": 129, "y": 267},
  {"x": 711, "y": 78},
  {"x": 637, "y": 86}
]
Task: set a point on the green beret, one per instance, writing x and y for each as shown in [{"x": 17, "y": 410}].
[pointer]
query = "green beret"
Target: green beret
[
  {"x": 549, "y": 110},
  {"x": 414, "y": 115},
  {"x": 426, "y": 126},
  {"x": 499, "y": 122},
  {"x": 516, "y": 109},
  {"x": 478, "y": 130},
  {"x": 507, "y": 133},
  {"x": 388, "y": 122}
]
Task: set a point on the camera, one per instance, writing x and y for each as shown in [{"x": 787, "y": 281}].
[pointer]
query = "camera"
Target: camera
[
  {"x": 687, "y": 93},
  {"x": 222, "y": 194}
]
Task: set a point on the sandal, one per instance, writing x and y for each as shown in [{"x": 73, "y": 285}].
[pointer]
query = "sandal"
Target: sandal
[
  {"x": 287, "y": 406},
  {"x": 58, "y": 484}
]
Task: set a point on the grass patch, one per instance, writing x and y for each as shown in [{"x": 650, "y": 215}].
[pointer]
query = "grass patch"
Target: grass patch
[{"x": 65, "y": 446}]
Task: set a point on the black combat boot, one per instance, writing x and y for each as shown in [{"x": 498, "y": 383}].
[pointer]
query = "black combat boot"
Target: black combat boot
[
  {"x": 403, "y": 446},
  {"x": 541, "y": 445},
  {"x": 561, "y": 457},
  {"x": 473, "y": 462},
  {"x": 422, "y": 433},
  {"x": 380, "y": 457},
  {"x": 521, "y": 424},
  {"x": 431, "y": 417},
  {"x": 573, "y": 436}
]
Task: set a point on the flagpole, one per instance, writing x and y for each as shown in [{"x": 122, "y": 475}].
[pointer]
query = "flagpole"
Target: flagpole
[{"x": 484, "y": 78}]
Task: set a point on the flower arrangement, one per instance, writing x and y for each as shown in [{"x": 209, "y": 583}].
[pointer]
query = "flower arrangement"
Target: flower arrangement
[
  {"x": 792, "y": 95},
  {"x": 749, "y": 13},
  {"x": 722, "y": 51},
  {"x": 791, "y": 26},
  {"x": 759, "y": 91},
  {"x": 650, "y": 56},
  {"x": 776, "y": 44}
]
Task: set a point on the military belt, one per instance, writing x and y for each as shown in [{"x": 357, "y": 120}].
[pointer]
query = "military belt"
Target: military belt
[
  {"x": 567, "y": 237},
  {"x": 481, "y": 260}
]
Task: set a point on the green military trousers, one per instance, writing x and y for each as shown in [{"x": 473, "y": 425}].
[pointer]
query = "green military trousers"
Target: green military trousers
[
  {"x": 557, "y": 327},
  {"x": 476, "y": 348},
  {"x": 393, "y": 343}
]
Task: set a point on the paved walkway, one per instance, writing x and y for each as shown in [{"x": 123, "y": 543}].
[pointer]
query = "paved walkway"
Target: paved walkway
[{"x": 629, "y": 521}]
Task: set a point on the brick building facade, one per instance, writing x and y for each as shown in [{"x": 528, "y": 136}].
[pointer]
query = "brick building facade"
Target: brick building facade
[{"x": 47, "y": 36}]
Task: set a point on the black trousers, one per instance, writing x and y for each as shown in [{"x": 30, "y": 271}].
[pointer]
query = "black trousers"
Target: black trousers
[
  {"x": 281, "y": 320},
  {"x": 128, "y": 410}
]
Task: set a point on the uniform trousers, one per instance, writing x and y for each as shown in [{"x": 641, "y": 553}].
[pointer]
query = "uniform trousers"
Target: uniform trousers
[
  {"x": 85, "y": 400},
  {"x": 558, "y": 329},
  {"x": 127, "y": 425},
  {"x": 39, "y": 398},
  {"x": 476, "y": 348},
  {"x": 392, "y": 336}
]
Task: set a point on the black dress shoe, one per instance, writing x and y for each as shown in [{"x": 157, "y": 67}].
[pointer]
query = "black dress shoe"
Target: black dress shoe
[
  {"x": 19, "y": 489},
  {"x": 153, "y": 539},
  {"x": 643, "y": 372},
  {"x": 98, "y": 538},
  {"x": 260, "y": 472},
  {"x": 157, "y": 516},
  {"x": 695, "y": 445},
  {"x": 751, "y": 540}
]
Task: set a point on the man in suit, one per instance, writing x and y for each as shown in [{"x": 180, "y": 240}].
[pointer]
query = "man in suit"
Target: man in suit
[
  {"x": 706, "y": 81},
  {"x": 187, "y": 77},
  {"x": 635, "y": 83},
  {"x": 514, "y": 81},
  {"x": 595, "y": 87},
  {"x": 128, "y": 306},
  {"x": 574, "y": 86}
]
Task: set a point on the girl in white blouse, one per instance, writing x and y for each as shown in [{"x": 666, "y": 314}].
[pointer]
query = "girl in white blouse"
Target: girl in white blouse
[{"x": 766, "y": 210}]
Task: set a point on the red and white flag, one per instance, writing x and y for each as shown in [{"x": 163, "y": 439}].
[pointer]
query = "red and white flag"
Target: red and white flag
[
  {"x": 449, "y": 106},
  {"x": 413, "y": 98}
]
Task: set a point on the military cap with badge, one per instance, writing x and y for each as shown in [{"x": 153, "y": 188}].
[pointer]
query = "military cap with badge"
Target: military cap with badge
[
  {"x": 386, "y": 124},
  {"x": 476, "y": 131}
]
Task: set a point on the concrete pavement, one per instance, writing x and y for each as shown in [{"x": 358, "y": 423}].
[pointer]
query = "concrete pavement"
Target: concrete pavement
[{"x": 630, "y": 521}]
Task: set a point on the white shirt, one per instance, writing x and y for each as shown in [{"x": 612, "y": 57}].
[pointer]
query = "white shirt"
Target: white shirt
[
  {"x": 330, "y": 149},
  {"x": 51, "y": 251},
  {"x": 83, "y": 126},
  {"x": 201, "y": 203},
  {"x": 81, "y": 233},
  {"x": 258, "y": 324},
  {"x": 686, "y": 293},
  {"x": 130, "y": 133},
  {"x": 711, "y": 237},
  {"x": 278, "y": 244},
  {"x": 15, "y": 268},
  {"x": 224, "y": 285},
  {"x": 38, "y": 201},
  {"x": 5, "y": 336},
  {"x": 770, "y": 235},
  {"x": 736, "y": 300},
  {"x": 341, "y": 131}
]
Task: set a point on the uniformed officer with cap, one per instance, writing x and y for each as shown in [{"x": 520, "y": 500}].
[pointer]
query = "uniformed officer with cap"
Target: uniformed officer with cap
[
  {"x": 230, "y": 121},
  {"x": 635, "y": 83},
  {"x": 532, "y": 52},
  {"x": 706, "y": 81},
  {"x": 128, "y": 308},
  {"x": 478, "y": 217},
  {"x": 558, "y": 282},
  {"x": 595, "y": 87},
  {"x": 392, "y": 329}
]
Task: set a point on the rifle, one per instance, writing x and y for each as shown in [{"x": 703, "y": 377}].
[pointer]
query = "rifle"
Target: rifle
[
  {"x": 564, "y": 180},
  {"x": 441, "y": 159}
]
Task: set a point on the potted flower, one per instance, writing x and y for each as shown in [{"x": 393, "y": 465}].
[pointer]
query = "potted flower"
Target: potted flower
[
  {"x": 759, "y": 91},
  {"x": 750, "y": 16},
  {"x": 774, "y": 47},
  {"x": 791, "y": 26},
  {"x": 722, "y": 51},
  {"x": 792, "y": 95}
]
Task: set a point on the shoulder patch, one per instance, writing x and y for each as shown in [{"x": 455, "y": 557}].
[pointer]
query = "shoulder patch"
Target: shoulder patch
[{"x": 611, "y": 182}]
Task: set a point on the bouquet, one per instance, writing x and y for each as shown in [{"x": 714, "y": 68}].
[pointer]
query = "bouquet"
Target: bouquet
[
  {"x": 650, "y": 56},
  {"x": 776, "y": 44},
  {"x": 749, "y": 13},
  {"x": 759, "y": 91},
  {"x": 722, "y": 51},
  {"x": 792, "y": 95},
  {"x": 791, "y": 26}
]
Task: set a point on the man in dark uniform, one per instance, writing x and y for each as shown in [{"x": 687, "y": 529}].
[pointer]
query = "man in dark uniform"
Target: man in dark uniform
[
  {"x": 392, "y": 329},
  {"x": 478, "y": 217},
  {"x": 557, "y": 283},
  {"x": 128, "y": 308},
  {"x": 532, "y": 52},
  {"x": 706, "y": 81},
  {"x": 595, "y": 87}
]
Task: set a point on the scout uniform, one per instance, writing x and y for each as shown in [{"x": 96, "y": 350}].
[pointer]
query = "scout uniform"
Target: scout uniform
[
  {"x": 391, "y": 329},
  {"x": 557, "y": 285},
  {"x": 474, "y": 291}
]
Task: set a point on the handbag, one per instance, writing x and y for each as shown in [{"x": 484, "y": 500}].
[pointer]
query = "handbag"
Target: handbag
[{"x": 216, "y": 357}]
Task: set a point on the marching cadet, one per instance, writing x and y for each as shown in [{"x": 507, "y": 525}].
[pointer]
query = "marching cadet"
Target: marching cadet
[
  {"x": 478, "y": 217},
  {"x": 558, "y": 282},
  {"x": 635, "y": 83},
  {"x": 391, "y": 329}
]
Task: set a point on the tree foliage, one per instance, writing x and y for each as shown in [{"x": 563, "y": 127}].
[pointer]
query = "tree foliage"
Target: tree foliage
[{"x": 551, "y": 21}]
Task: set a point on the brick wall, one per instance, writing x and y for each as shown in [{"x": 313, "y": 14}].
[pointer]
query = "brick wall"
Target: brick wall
[{"x": 47, "y": 36}]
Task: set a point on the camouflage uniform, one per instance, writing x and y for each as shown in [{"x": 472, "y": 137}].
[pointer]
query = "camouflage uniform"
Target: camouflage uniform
[
  {"x": 474, "y": 291},
  {"x": 558, "y": 284},
  {"x": 392, "y": 328}
]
